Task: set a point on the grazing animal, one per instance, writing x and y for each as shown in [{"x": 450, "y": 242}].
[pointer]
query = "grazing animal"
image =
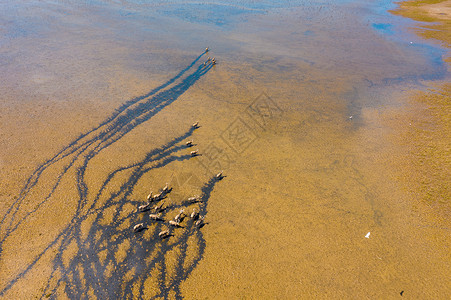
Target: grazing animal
[
  {"x": 178, "y": 218},
  {"x": 193, "y": 199},
  {"x": 142, "y": 208},
  {"x": 138, "y": 227},
  {"x": 196, "y": 125},
  {"x": 189, "y": 143},
  {"x": 158, "y": 208},
  {"x": 174, "y": 223},
  {"x": 207, "y": 49},
  {"x": 157, "y": 197},
  {"x": 219, "y": 176},
  {"x": 166, "y": 188},
  {"x": 155, "y": 217},
  {"x": 149, "y": 197},
  {"x": 200, "y": 221},
  {"x": 163, "y": 234},
  {"x": 195, "y": 152},
  {"x": 194, "y": 214}
]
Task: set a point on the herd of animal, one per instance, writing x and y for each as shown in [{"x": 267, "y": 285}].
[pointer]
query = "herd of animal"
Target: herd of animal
[{"x": 155, "y": 204}]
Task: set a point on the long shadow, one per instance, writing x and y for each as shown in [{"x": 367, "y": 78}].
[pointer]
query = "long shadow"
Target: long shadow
[
  {"x": 86, "y": 147},
  {"x": 68, "y": 231},
  {"x": 74, "y": 146},
  {"x": 122, "y": 271},
  {"x": 123, "y": 121},
  {"x": 100, "y": 235},
  {"x": 108, "y": 276}
]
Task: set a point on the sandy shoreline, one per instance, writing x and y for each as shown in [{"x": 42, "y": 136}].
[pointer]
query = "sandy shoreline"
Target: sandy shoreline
[
  {"x": 429, "y": 137},
  {"x": 303, "y": 186}
]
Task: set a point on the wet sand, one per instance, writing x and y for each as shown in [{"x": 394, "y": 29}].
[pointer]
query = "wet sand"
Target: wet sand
[{"x": 304, "y": 182}]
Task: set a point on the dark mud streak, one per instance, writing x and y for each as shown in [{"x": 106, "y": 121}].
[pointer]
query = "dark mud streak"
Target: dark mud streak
[
  {"x": 117, "y": 126},
  {"x": 357, "y": 179}
]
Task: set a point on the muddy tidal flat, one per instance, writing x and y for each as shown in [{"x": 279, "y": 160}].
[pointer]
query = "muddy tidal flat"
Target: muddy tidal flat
[{"x": 329, "y": 120}]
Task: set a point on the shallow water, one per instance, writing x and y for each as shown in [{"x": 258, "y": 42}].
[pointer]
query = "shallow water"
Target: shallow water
[{"x": 300, "y": 113}]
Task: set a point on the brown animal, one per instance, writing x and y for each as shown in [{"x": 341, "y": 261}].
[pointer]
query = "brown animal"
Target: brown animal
[
  {"x": 150, "y": 197},
  {"x": 219, "y": 176},
  {"x": 194, "y": 214},
  {"x": 142, "y": 208},
  {"x": 138, "y": 227},
  {"x": 195, "y": 152},
  {"x": 178, "y": 218},
  {"x": 200, "y": 222},
  {"x": 163, "y": 234},
  {"x": 193, "y": 199},
  {"x": 157, "y": 197},
  {"x": 174, "y": 223},
  {"x": 166, "y": 188},
  {"x": 155, "y": 217},
  {"x": 158, "y": 208}
]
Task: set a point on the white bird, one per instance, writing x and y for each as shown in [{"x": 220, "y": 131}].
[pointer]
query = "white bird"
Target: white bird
[{"x": 367, "y": 235}]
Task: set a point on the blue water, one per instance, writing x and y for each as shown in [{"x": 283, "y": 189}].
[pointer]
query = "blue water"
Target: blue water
[
  {"x": 344, "y": 37},
  {"x": 383, "y": 28}
]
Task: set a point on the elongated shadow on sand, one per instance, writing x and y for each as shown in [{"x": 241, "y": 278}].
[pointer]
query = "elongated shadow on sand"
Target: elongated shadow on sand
[
  {"x": 77, "y": 155},
  {"x": 85, "y": 147},
  {"x": 115, "y": 262}
]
